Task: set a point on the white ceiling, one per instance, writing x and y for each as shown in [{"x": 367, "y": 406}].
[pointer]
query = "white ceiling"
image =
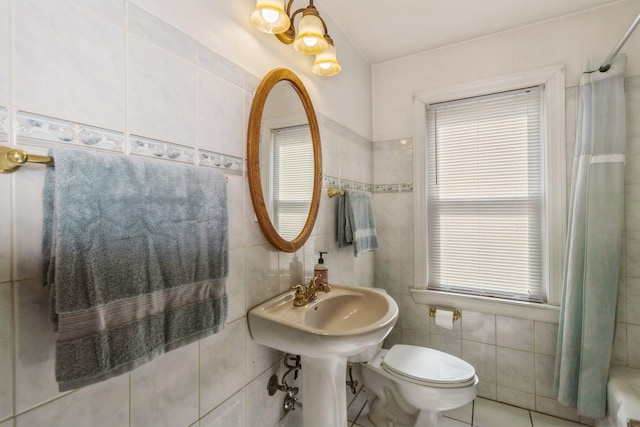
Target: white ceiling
[{"x": 415, "y": 26}]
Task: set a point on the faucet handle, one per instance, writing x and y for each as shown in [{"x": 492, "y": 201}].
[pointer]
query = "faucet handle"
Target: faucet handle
[
  {"x": 324, "y": 287},
  {"x": 313, "y": 282},
  {"x": 300, "y": 298}
]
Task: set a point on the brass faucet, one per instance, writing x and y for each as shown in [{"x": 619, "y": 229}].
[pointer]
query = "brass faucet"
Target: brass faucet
[{"x": 304, "y": 295}]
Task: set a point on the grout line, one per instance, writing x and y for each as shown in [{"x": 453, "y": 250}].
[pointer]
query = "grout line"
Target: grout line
[
  {"x": 473, "y": 408},
  {"x": 126, "y": 145},
  {"x": 355, "y": 421},
  {"x": 13, "y": 293}
]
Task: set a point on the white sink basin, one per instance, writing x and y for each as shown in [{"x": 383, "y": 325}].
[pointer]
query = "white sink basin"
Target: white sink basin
[{"x": 343, "y": 322}]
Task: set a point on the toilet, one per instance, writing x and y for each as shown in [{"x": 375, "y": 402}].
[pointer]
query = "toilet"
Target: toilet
[{"x": 414, "y": 385}]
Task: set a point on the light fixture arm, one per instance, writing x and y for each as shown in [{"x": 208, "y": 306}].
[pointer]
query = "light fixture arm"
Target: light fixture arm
[{"x": 289, "y": 36}]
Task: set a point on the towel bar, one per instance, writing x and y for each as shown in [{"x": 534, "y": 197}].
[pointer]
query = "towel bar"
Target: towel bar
[
  {"x": 457, "y": 314},
  {"x": 333, "y": 192},
  {"x": 12, "y": 158}
]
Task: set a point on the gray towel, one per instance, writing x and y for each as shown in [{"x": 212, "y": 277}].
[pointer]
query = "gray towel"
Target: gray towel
[
  {"x": 356, "y": 222},
  {"x": 136, "y": 260}
]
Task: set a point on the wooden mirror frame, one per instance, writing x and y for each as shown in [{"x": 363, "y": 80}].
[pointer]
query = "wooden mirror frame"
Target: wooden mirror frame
[{"x": 253, "y": 159}]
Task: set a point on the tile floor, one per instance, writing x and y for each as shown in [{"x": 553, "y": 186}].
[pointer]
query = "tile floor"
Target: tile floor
[{"x": 483, "y": 412}]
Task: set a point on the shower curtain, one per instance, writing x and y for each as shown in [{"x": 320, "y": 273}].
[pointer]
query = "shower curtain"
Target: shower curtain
[{"x": 594, "y": 242}]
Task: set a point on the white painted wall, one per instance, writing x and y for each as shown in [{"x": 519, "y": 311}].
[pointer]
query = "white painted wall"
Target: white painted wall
[{"x": 570, "y": 41}]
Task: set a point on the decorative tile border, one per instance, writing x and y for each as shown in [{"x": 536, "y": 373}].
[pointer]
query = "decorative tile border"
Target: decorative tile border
[
  {"x": 228, "y": 164},
  {"x": 35, "y": 128},
  {"x": 393, "y": 188},
  {"x": 331, "y": 182},
  {"x": 344, "y": 184},
  {"x": 4, "y": 125},
  {"x": 406, "y": 188},
  {"x": 39, "y": 130},
  {"x": 386, "y": 188},
  {"x": 148, "y": 147}
]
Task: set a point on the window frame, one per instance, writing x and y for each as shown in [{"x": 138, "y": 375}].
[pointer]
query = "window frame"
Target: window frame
[{"x": 554, "y": 186}]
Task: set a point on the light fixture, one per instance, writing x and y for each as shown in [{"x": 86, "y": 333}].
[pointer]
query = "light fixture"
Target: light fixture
[
  {"x": 269, "y": 16},
  {"x": 326, "y": 63},
  {"x": 311, "y": 38}
]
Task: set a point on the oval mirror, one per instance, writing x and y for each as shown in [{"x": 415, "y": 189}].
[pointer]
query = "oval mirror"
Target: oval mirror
[{"x": 284, "y": 160}]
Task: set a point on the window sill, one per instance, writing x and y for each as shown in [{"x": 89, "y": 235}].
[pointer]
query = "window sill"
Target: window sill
[{"x": 519, "y": 309}]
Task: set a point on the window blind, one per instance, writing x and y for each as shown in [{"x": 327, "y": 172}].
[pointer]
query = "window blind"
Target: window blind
[
  {"x": 484, "y": 204},
  {"x": 292, "y": 179}
]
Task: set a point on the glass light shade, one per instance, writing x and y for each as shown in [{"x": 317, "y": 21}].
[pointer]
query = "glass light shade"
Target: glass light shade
[
  {"x": 269, "y": 16},
  {"x": 326, "y": 63},
  {"x": 310, "y": 36}
]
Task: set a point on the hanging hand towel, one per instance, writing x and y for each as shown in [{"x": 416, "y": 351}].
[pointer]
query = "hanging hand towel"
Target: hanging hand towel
[
  {"x": 136, "y": 259},
  {"x": 356, "y": 222}
]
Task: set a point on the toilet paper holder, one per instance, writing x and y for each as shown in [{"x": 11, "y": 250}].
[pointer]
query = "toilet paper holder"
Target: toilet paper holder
[{"x": 457, "y": 314}]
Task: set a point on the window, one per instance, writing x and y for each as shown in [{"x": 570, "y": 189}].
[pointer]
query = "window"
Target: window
[
  {"x": 293, "y": 179},
  {"x": 490, "y": 189},
  {"x": 484, "y": 195}
]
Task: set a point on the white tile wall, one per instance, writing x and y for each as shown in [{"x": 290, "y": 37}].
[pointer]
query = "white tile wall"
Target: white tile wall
[
  {"x": 6, "y": 358},
  {"x": 5, "y": 231},
  {"x": 109, "y": 64},
  {"x": 232, "y": 412},
  {"x": 103, "y": 405},
  {"x": 516, "y": 369},
  {"x": 483, "y": 358},
  {"x": 27, "y": 221},
  {"x": 4, "y": 54},
  {"x": 220, "y": 120},
  {"x": 34, "y": 345},
  {"x": 545, "y": 367},
  {"x": 81, "y": 55},
  {"x": 161, "y": 93},
  {"x": 546, "y": 336},
  {"x": 160, "y": 33},
  {"x": 165, "y": 392},
  {"x": 515, "y": 333},
  {"x": 223, "y": 366}
]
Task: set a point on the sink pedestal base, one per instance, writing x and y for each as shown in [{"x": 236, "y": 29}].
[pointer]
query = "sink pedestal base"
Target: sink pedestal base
[{"x": 324, "y": 393}]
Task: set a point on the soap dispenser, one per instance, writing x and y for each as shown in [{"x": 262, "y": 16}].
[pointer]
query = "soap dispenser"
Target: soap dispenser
[{"x": 321, "y": 271}]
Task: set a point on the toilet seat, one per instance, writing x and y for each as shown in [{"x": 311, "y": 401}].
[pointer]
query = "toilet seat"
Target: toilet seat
[{"x": 428, "y": 367}]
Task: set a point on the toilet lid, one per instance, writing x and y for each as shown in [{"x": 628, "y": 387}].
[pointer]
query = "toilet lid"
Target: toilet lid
[{"x": 426, "y": 365}]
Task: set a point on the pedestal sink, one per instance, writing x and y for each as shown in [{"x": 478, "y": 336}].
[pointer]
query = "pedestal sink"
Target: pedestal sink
[{"x": 343, "y": 322}]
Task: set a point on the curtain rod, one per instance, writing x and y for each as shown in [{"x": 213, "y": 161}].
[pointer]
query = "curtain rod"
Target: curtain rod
[{"x": 606, "y": 65}]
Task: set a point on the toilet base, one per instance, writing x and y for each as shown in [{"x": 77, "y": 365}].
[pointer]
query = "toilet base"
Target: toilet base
[
  {"x": 428, "y": 419},
  {"x": 385, "y": 411}
]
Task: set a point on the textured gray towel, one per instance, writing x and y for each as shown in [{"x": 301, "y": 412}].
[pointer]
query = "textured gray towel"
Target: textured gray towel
[
  {"x": 136, "y": 259},
  {"x": 356, "y": 222}
]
